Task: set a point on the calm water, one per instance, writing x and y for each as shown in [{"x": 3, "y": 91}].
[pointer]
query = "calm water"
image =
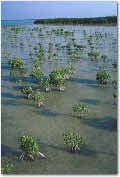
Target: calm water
[
  {"x": 17, "y": 22},
  {"x": 48, "y": 123}
]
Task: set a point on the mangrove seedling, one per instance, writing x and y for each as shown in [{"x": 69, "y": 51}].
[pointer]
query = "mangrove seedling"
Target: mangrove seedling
[
  {"x": 36, "y": 74},
  {"x": 114, "y": 82},
  {"x": 38, "y": 97},
  {"x": 104, "y": 57},
  {"x": 57, "y": 79},
  {"x": 27, "y": 92},
  {"x": 84, "y": 32},
  {"x": 19, "y": 82},
  {"x": 57, "y": 45},
  {"x": 50, "y": 56},
  {"x": 21, "y": 44},
  {"x": 80, "y": 47},
  {"x": 68, "y": 72},
  {"x": 96, "y": 55},
  {"x": 50, "y": 44},
  {"x": 60, "y": 85},
  {"x": 93, "y": 55},
  {"x": 75, "y": 53},
  {"x": 80, "y": 109},
  {"x": 29, "y": 148},
  {"x": 35, "y": 48},
  {"x": 36, "y": 65},
  {"x": 8, "y": 167},
  {"x": 13, "y": 74},
  {"x": 30, "y": 53},
  {"x": 103, "y": 77},
  {"x": 55, "y": 54},
  {"x": 73, "y": 39},
  {"x": 23, "y": 73},
  {"x": 16, "y": 63},
  {"x": 69, "y": 45},
  {"x": 46, "y": 84},
  {"x": 74, "y": 140}
]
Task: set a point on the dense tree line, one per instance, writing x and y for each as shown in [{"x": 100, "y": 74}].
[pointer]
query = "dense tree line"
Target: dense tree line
[{"x": 96, "y": 20}]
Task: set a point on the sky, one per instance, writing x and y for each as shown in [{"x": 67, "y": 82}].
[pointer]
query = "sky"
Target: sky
[{"x": 12, "y": 10}]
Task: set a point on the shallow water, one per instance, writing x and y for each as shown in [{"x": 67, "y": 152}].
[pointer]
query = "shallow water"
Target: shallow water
[
  {"x": 48, "y": 123},
  {"x": 17, "y": 22}
]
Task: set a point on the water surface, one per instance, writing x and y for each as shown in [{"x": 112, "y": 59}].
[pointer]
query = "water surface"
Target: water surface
[{"x": 48, "y": 123}]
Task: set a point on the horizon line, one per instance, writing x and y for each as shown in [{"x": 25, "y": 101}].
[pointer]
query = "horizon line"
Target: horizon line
[{"x": 57, "y": 18}]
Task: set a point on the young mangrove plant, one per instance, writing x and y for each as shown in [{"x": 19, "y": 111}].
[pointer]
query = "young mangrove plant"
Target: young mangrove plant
[
  {"x": 80, "y": 109},
  {"x": 114, "y": 82},
  {"x": 69, "y": 52},
  {"x": 103, "y": 77},
  {"x": 80, "y": 47},
  {"x": 18, "y": 74},
  {"x": 7, "y": 167},
  {"x": 13, "y": 74},
  {"x": 27, "y": 92},
  {"x": 38, "y": 97},
  {"x": 19, "y": 82},
  {"x": 30, "y": 54},
  {"x": 68, "y": 71},
  {"x": 50, "y": 56},
  {"x": 36, "y": 74},
  {"x": 57, "y": 45},
  {"x": 60, "y": 85},
  {"x": 57, "y": 79},
  {"x": 50, "y": 44},
  {"x": 21, "y": 44},
  {"x": 75, "y": 53},
  {"x": 46, "y": 84},
  {"x": 73, "y": 39},
  {"x": 40, "y": 56},
  {"x": 35, "y": 48},
  {"x": 74, "y": 140},
  {"x": 69, "y": 45},
  {"x": 93, "y": 55},
  {"x": 104, "y": 57},
  {"x": 56, "y": 54},
  {"x": 84, "y": 33},
  {"x": 29, "y": 148},
  {"x": 36, "y": 65},
  {"x": 22, "y": 73},
  {"x": 16, "y": 63}
]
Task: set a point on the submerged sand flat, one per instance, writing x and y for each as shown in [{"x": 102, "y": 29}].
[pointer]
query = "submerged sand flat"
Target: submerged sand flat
[{"x": 48, "y": 123}]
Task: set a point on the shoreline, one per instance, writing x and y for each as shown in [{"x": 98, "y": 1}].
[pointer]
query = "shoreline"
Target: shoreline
[{"x": 79, "y": 21}]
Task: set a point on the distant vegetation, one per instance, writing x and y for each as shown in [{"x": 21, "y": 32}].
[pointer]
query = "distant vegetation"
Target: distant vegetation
[{"x": 96, "y": 20}]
